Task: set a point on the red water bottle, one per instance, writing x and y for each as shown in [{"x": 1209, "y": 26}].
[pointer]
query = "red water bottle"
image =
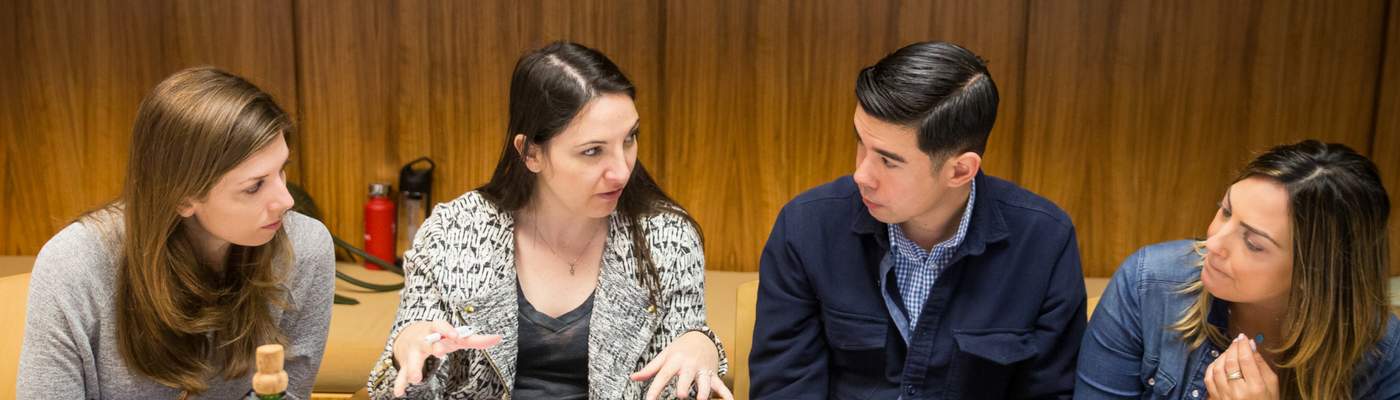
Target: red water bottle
[{"x": 379, "y": 224}]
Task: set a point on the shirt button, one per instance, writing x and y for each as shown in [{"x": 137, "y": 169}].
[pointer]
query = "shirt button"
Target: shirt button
[
  {"x": 1195, "y": 393},
  {"x": 909, "y": 389},
  {"x": 1214, "y": 353},
  {"x": 1151, "y": 381}
]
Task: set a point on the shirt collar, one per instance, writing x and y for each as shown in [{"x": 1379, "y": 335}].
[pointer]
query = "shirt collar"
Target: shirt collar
[{"x": 907, "y": 248}]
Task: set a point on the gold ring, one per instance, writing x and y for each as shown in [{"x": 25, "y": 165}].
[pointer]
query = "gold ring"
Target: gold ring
[{"x": 1234, "y": 375}]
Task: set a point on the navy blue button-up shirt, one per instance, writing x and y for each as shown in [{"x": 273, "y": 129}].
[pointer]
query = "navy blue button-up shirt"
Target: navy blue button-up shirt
[{"x": 1003, "y": 320}]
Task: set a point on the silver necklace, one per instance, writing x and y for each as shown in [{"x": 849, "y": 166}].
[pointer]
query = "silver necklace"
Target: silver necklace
[{"x": 572, "y": 264}]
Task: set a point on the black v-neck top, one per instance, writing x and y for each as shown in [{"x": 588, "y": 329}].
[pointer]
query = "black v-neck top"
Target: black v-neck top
[{"x": 553, "y": 354}]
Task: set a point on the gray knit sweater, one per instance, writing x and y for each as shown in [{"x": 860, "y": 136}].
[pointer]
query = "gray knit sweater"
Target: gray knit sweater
[{"x": 70, "y": 349}]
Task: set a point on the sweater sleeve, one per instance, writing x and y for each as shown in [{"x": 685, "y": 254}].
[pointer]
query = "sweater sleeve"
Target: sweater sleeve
[{"x": 56, "y": 360}]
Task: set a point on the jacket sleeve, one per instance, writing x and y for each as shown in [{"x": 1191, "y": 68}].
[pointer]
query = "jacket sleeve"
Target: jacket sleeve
[
  {"x": 420, "y": 300},
  {"x": 685, "y": 295},
  {"x": 789, "y": 355},
  {"x": 1058, "y": 330},
  {"x": 1110, "y": 357}
]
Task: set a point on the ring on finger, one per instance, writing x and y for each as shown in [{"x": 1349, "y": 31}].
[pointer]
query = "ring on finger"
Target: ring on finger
[{"x": 1234, "y": 375}]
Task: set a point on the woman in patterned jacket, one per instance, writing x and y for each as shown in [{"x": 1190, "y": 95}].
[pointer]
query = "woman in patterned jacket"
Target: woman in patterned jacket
[{"x": 578, "y": 275}]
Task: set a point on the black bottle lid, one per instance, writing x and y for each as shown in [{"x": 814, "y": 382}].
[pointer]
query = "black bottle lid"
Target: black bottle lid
[{"x": 418, "y": 180}]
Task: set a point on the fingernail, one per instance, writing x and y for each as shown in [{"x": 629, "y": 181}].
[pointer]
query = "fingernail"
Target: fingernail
[
  {"x": 1253, "y": 345},
  {"x": 1239, "y": 338}
]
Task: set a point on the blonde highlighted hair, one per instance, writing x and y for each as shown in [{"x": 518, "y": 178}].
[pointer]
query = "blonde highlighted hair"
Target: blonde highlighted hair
[{"x": 1337, "y": 309}]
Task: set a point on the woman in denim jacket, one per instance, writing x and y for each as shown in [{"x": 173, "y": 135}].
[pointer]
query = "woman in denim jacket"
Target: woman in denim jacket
[{"x": 1284, "y": 298}]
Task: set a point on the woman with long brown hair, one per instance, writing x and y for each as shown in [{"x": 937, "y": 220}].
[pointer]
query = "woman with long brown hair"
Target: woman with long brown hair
[
  {"x": 168, "y": 291},
  {"x": 1284, "y": 298},
  {"x": 579, "y": 276}
]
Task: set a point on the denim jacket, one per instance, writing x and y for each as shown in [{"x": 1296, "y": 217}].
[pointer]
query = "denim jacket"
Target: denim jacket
[{"x": 1130, "y": 350}]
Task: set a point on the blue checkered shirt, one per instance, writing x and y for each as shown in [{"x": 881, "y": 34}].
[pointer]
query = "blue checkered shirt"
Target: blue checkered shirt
[{"x": 917, "y": 270}]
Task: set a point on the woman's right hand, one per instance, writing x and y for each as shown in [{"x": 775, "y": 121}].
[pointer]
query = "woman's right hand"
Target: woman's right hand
[
  {"x": 1241, "y": 373},
  {"x": 411, "y": 349}
]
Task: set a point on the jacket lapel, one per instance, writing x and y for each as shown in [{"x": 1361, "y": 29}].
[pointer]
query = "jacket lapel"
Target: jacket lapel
[
  {"x": 623, "y": 321},
  {"x": 492, "y": 307}
]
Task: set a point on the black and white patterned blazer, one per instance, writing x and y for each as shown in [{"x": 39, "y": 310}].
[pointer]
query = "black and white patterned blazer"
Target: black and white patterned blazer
[{"x": 461, "y": 269}]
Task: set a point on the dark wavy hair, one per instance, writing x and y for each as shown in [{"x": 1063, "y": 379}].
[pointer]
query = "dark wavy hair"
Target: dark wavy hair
[{"x": 549, "y": 87}]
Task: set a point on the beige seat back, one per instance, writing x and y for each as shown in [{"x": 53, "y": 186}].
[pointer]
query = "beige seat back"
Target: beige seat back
[{"x": 14, "y": 295}]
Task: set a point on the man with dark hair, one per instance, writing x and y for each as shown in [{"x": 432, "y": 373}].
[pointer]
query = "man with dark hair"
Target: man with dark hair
[{"x": 919, "y": 277}]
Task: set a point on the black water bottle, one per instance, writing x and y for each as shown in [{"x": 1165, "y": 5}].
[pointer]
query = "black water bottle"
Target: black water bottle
[{"x": 415, "y": 200}]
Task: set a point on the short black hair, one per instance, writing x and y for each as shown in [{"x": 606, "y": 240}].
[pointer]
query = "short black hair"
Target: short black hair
[{"x": 941, "y": 88}]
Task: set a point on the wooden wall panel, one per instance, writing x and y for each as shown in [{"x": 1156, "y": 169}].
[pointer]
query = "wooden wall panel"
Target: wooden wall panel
[
  {"x": 86, "y": 66},
  {"x": 1131, "y": 115},
  {"x": 627, "y": 31},
  {"x": 760, "y": 98},
  {"x": 1139, "y": 113},
  {"x": 710, "y": 165},
  {"x": 475, "y": 45},
  {"x": 365, "y": 103},
  {"x": 1385, "y": 144},
  {"x": 11, "y": 111},
  {"x": 996, "y": 31},
  {"x": 759, "y": 103},
  {"x": 1386, "y": 154},
  {"x": 385, "y": 83}
]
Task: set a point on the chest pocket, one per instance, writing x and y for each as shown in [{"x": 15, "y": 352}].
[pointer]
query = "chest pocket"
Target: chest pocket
[
  {"x": 857, "y": 343},
  {"x": 998, "y": 346},
  {"x": 1159, "y": 384},
  {"x": 987, "y": 359},
  {"x": 851, "y": 331}
]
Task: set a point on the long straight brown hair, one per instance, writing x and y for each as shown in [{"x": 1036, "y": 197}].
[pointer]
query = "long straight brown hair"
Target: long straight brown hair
[
  {"x": 549, "y": 87},
  {"x": 1337, "y": 309},
  {"x": 179, "y": 321}
]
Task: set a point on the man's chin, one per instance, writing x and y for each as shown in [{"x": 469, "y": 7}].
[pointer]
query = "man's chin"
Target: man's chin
[{"x": 881, "y": 216}]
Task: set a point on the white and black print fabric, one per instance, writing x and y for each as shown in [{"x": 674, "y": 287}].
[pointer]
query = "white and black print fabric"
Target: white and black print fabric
[{"x": 461, "y": 269}]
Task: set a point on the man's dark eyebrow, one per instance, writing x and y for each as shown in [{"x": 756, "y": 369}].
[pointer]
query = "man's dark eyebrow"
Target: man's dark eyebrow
[
  {"x": 889, "y": 155},
  {"x": 882, "y": 152}
]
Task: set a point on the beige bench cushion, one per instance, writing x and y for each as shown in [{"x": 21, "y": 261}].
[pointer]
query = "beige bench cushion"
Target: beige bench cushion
[{"x": 14, "y": 293}]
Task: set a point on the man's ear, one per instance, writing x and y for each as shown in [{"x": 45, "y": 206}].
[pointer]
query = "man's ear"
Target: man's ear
[
  {"x": 529, "y": 154},
  {"x": 962, "y": 168}
]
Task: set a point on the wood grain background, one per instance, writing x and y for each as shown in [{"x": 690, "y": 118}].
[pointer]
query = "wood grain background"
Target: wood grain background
[
  {"x": 1131, "y": 115},
  {"x": 74, "y": 73}
]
